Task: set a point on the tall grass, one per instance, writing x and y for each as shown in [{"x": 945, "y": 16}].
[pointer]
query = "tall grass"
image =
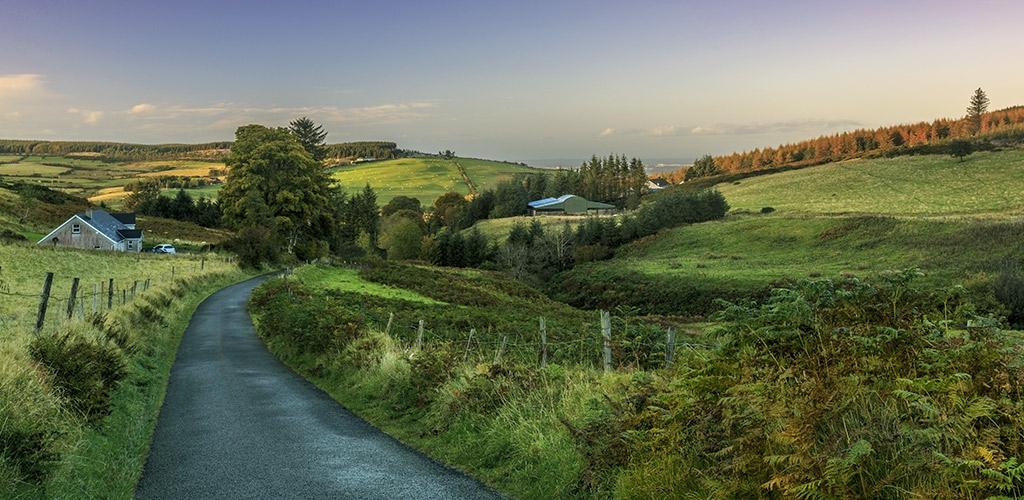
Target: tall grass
[
  {"x": 841, "y": 388},
  {"x": 79, "y": 400}
]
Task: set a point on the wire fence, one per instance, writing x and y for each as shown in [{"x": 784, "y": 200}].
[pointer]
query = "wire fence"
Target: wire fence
[
  {"x": 608, "y": 344},
  {"x": 79, "y": 299}
]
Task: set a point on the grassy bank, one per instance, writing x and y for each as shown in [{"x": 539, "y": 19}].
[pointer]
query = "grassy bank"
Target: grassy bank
[
  {"x": 985, "y": 184},
  {"x": 841, "y": 388},
  {"x": 80, "y": 401},
  {"x": 683, "y": 270}
]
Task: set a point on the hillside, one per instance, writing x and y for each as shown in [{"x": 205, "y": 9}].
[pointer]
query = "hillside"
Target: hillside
[
  {"x": 425, "y": 178},
  {"x": 986, "y": 183},
  {"x": 858, "y": 217}
]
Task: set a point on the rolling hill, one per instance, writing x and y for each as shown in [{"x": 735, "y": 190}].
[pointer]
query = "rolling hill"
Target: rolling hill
[
  {"x": 985, "y": 184},
  {"x": 425, "y": 178},
  {"x": 955, "y": 221}
]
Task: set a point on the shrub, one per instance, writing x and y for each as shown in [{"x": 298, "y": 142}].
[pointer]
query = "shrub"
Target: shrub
[
  {"x": 431, "y": 368},
  {"x": 84, "y": 369},
  {"x": 767, "y": 210},
  {"x": 1009, "y": 290}
]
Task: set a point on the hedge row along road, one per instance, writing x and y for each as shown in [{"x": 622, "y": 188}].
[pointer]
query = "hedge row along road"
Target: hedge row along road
[{"x": 236, "y": 423}]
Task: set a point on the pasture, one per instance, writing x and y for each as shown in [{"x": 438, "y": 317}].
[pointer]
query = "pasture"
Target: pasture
[
  {"x": 23, "y": 267},
  {"x": 985, "y": 184},
  {"x": 424, "y": 178}
]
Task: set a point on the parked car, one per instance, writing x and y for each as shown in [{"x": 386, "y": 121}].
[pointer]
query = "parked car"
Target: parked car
[{"x": 164, "y": 248}]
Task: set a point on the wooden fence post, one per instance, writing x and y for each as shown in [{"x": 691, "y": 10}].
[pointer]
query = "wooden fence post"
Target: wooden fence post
[
  {"x": 135, "y": 285},
  {"x": 172, "y": 272},
  {"x": 72, "y": 297},
  {"x": 110, "y": 294},
  {"x": 670, "y": 346},
  {"x": 543, "y": 343},
  {"x": 124, "y": 296},
  {"x": 391, "y": 320},
  {"x": 95, "y": 297},
  {"x": 606, "y": 337},
  {"x": 465, "y": 357},
  {"x": 146, "y": 286},
  {"x": 81, "y": 306},
  {"x": 44, "y": 298},
  {"x": 202, "y": 262},
  {"x": 501, "y": 349},
  {"x": 419, "y": 336}
]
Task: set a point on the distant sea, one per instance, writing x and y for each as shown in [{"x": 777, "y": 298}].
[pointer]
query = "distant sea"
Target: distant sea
[{"x": 654, "y": 165}]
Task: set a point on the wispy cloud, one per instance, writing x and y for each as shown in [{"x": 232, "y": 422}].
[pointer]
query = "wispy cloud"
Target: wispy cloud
[
  {"x": 142, "y": 108},
  {"x": 809, "y": 126},
  {"x": 20, "y": 85},
  {"x": 806, "y": 125},
  {"x": 89, "y": 117}
]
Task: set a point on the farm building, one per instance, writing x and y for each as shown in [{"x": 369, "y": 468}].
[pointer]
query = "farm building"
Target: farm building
[
  {"x": 657, "y": 184},
  {"x": 569, "y": 204},
  {"x": 97, "y": 229}
]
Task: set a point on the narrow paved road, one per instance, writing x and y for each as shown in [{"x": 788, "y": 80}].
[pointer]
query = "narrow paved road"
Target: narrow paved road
[{"x": 236, "y": 423}]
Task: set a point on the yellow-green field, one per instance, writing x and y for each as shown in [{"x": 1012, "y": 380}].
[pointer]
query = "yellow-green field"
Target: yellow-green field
[
  {"x": 91, "y": 178},
  {"x": 985, "y": 184},
  {"x": 424, "y": 178}
]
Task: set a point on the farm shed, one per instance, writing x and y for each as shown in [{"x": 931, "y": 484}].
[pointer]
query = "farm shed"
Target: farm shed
[
  {"x": 569, "y": 204},
  {"x": 97, "y": 229}
]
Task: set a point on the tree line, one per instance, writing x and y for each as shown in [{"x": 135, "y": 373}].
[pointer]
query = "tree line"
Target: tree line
[
  {"x": 116, "y": 151},
  {"x": 978, "y": 124}
]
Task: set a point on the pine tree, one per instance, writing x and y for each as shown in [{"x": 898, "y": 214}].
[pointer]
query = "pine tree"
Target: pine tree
[
  {"x": 311, "y": 136},
  {"x": 978, "y": 107}
]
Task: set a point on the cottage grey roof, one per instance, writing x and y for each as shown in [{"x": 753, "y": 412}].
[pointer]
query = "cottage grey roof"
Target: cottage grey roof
[
  {"x": 130, "y": 233},
  {"x": 110, "y": 226}
]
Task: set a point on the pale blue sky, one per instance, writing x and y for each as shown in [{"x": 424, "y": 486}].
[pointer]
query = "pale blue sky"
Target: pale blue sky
[{"x": 512, "y": 80}]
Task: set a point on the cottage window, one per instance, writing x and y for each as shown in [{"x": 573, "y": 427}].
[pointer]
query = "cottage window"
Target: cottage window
[
  {"x": 76, "y": 229},
  {"x": 131, "y": 244}
]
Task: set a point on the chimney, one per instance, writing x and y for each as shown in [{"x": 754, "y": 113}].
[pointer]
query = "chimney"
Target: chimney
[{"x": 88, "y": 212}]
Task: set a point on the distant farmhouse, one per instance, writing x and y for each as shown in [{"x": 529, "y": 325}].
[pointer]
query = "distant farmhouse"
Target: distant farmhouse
[
  {"x": 570, "y": 204},
  {"x": 97, "y": 229},
  {"x": 657, "y": 184}
]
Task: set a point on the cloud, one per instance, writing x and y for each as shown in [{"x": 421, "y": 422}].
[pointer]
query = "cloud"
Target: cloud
[
  {"x": 142, "y": 108},
  {"x": 20, "y": 85},
  {"x": 231, "y": 114},
  {"x": 88, "y": 117},
  {"x": 606, "y": 132},
  {"x": 807, "y": 125}
]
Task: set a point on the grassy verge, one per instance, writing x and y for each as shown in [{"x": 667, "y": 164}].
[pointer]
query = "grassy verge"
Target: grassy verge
[
  {"x": 502, "y": 420},
  {"x": 102, "y": 457},
  {"x": 840, "y": 388}
]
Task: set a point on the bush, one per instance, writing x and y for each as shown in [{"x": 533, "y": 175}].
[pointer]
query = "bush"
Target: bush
[
  {"x": 255, "y": 246},
  {"x": 84, "y": 369},
  {"x": 767, "y": 210},
  {"x": 1009, "y": 290}
]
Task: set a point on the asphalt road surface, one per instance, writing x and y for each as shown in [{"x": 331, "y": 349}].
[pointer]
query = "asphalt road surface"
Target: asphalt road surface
[{"x": 236, "y": 423}]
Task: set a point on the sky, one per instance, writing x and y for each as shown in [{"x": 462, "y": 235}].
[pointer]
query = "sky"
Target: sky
[{"x": 516, "y": 80}]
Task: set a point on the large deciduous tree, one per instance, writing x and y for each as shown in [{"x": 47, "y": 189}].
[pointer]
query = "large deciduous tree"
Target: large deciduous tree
[
  {"x": 274, "y": 183},
  {"x": 311, "y": 136}
]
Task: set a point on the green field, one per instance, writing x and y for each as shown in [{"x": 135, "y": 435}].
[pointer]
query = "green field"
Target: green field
[
  {"x": 23, "y": 266},
  {"x": 424, "y": 178},
  {"x": 952, "y": 220},
  {"x": 985, "y": 184}
]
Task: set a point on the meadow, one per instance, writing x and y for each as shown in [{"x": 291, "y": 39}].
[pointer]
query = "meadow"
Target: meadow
[
  {"x": 23, "y": 267},
  {"x": 424, "y": 178},
  {"x": 94, "y": 178},
  {"x": 984, "y": 184}
]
